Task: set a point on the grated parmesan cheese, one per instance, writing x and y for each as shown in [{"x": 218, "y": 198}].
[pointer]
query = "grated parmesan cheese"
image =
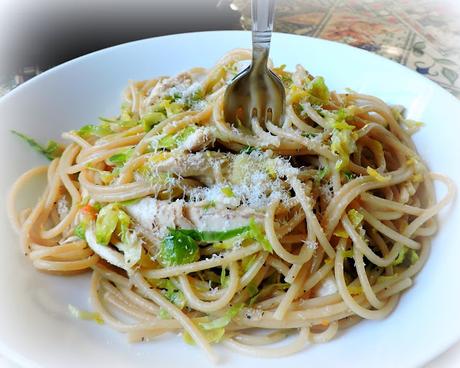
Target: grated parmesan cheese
[
  {"x": 168, "y": 86},
  {"x": 63, "y": 207},
  {"x": 326, "y": 191},
  {"x": 254, "y": 179},
  {"x": 253, "y": 314},
  {"x": 311, "y": 244},
  {"x": 198, "y": 140},
  {"x": 213, "y": 291},
  {"x": 187, "y": 93}
]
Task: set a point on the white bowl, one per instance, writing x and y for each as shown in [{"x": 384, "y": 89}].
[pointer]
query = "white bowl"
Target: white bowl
[{"x": 35, "y": 327}]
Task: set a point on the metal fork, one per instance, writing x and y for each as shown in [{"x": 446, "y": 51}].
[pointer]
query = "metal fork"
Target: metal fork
[{"x": 256, "y": 92}]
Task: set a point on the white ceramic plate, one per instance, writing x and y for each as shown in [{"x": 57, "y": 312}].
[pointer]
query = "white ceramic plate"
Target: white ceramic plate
[{"x": 35, "y": 328}]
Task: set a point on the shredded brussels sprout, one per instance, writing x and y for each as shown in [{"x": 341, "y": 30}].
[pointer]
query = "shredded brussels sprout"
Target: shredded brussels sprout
[{"x": 51, "y": 151}]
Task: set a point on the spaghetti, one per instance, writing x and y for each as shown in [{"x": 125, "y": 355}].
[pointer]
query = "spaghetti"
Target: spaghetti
[{"x": 226, "y": 233}]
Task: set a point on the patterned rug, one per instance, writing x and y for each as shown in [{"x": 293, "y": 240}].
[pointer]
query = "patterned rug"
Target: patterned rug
[{"x": 421, "y": 34}]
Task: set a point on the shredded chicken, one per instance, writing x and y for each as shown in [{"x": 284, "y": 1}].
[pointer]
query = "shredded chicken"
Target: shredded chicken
[
  {"x": 201, "y": 165},
  {"x": 300, "y": 76},
  {"x": 156, "y": 216},
  {"x": 163, "y": 87},
  {"x": 327, "y": 286},
  {"x": 198, "y": 140},
  {"x": 221, "y": 219}
]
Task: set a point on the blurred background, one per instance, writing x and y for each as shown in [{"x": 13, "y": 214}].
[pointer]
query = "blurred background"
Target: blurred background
[{"x": 39, "y": 34}]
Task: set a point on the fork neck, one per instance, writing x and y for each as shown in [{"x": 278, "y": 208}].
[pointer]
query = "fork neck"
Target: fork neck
[{"x": 259, "y": 59}]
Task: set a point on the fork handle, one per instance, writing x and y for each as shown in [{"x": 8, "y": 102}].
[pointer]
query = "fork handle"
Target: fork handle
[{"x": 263, "y": 12}]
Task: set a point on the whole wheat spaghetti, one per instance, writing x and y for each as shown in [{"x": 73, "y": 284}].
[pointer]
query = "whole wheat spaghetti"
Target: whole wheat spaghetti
[{"x": 190, "y": 225}]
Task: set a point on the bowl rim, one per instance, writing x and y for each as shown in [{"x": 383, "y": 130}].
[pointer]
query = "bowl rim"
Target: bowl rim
[
  {"x": 10, "y": 94},
  {"x": 20, "y": 358}
]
